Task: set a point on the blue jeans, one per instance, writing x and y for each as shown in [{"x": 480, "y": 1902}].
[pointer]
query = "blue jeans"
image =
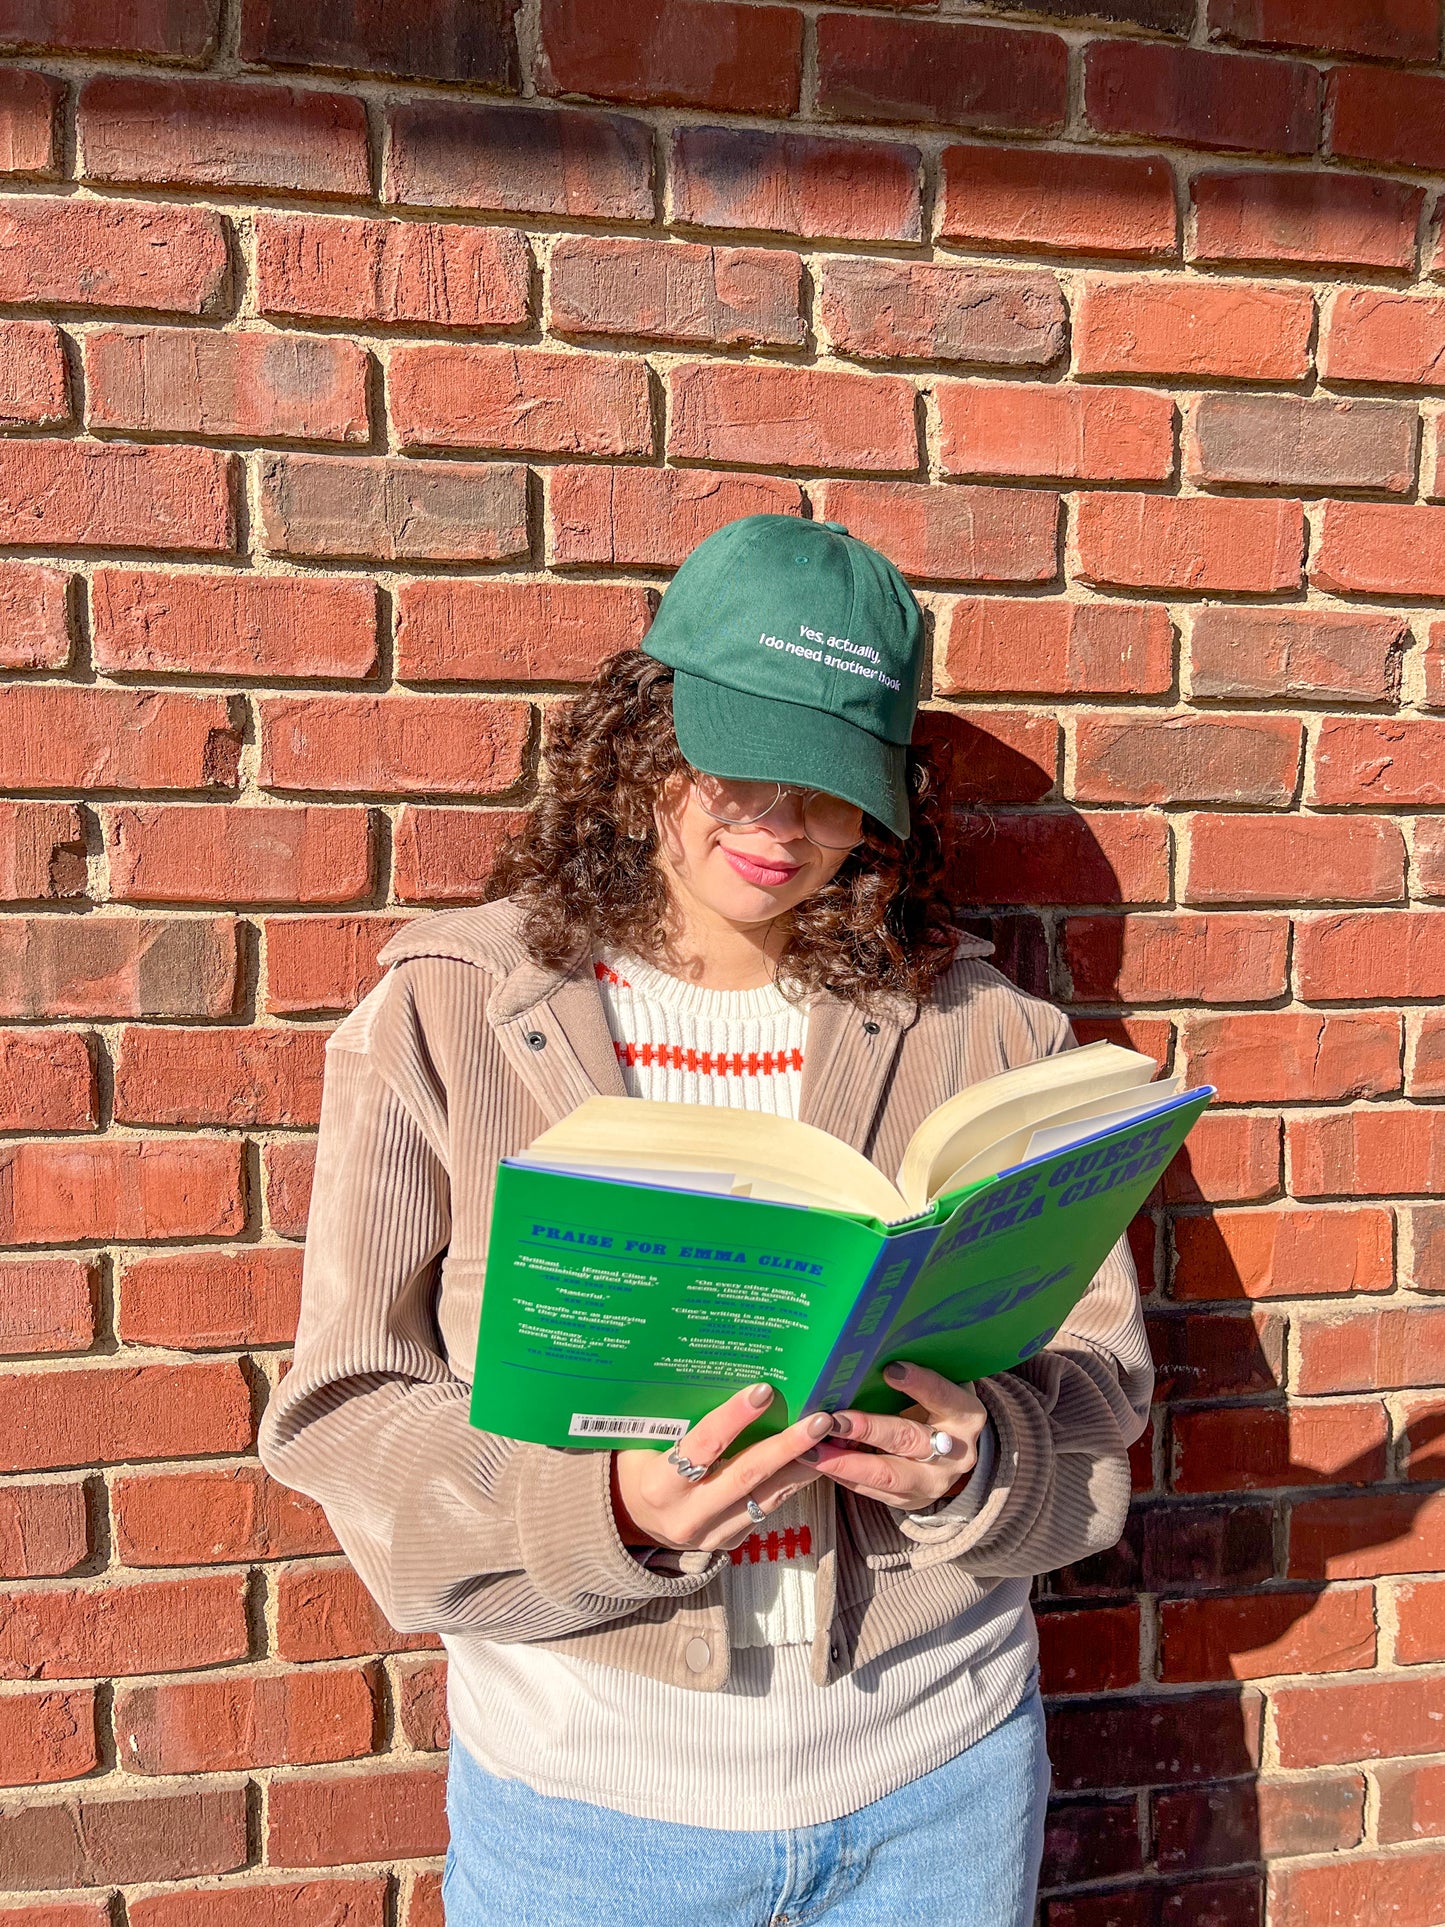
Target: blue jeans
[{"x": 958, "y": 1847}]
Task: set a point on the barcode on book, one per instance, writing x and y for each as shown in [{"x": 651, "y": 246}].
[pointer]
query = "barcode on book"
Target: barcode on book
[{"x": 591, "y": 1424}]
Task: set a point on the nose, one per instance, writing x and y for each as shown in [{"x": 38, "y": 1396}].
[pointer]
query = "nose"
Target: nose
[{"x": 785, "y": 818}]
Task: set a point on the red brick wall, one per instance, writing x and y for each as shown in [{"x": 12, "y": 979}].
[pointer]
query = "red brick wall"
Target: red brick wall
[{"x": 364, "y": 370}]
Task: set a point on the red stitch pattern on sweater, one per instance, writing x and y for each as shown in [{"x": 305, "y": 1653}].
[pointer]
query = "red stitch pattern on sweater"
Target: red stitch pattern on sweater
[
  {"x": 607, "y": 975},
  {"x": 795, "y": 1542},
  {"x": 682, "y": 1057}
]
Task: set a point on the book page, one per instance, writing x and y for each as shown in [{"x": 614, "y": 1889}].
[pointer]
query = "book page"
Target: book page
[{"x": 1105, "y": 1112}]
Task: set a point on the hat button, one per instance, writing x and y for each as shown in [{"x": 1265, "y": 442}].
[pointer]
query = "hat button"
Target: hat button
[{"x": 836, "y": 527}]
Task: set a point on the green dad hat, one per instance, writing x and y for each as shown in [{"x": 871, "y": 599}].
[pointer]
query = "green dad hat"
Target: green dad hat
[{"x": 797, "y": 652}]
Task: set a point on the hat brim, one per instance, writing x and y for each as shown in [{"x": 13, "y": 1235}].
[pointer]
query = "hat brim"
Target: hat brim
[{"x": 728, "y": 732}]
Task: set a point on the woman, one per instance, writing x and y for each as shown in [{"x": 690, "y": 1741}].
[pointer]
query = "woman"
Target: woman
[{"x": 797, "y": 1682}]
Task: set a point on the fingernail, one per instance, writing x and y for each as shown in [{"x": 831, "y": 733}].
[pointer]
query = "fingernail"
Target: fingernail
[
  {"x": 895, "y": 1374},
  {"x": 810, "y": 1457},
  {"x": 842, "y": 1424},
  {"x": 760, "y": 1395},
  {"x": 820, "y": 1425}
]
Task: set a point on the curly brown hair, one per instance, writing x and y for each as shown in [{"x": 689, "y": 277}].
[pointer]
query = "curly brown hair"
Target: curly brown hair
[{"x": 584, "y": 871}]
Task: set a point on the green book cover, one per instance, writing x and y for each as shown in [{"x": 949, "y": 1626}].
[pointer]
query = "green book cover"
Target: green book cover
[{"x": 619, "y": 1312}]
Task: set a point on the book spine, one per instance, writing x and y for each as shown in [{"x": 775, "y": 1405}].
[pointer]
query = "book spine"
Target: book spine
[{"x": 898, "y": 1263}]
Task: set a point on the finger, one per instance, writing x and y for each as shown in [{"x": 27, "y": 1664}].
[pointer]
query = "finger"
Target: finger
[
  {"x": 903, "y": 1438},
  {"x": 877, "y": 1475},
  {"x": 716, "y": 1430},
  {"x": 939, "y": 1396},
  {"x": 741, "y": 1475}
]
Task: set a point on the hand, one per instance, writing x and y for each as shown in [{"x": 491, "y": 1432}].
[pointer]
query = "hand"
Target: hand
[
  {"x": 655, "y": 1505},
  {"x": 882, "y": 1458}
]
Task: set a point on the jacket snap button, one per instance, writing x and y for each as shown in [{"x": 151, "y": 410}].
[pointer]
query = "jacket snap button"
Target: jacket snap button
[
  {"x": 698, "y": 1655},
  {"x": 835, "y": 1652},
  {"x": 870, "y": 1029},
  {"x": 535, "y": 1040}
]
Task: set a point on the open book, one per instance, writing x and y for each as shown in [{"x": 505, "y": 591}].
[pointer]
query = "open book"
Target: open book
[{"x": 645, "y": 1259}]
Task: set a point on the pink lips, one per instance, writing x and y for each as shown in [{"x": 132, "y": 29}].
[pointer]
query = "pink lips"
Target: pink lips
[{"x": 766, "y": 875}]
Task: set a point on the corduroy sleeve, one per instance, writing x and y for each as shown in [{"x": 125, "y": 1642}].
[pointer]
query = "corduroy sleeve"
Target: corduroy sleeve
[{"x": 451, "y": 1529}]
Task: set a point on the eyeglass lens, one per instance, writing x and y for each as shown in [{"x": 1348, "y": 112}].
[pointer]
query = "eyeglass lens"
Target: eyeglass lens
[{"x": 827, "y": 820}]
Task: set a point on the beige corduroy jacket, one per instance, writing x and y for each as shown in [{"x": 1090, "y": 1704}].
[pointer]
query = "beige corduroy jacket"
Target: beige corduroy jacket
[{"x": 464, "y": 1052}]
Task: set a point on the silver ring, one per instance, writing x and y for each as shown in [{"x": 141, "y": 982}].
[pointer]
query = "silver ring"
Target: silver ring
[
  {"x": 684, "y": 1467},
  {"x": 756, "y": 1513},
  {"x": 942, "y": 1443}
]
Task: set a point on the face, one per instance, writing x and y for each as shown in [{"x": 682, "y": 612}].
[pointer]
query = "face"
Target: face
[{"x": 740, "y": 873}]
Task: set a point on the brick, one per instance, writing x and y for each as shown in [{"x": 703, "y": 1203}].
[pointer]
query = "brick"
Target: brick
[
  {"x": 1154, "y": 1742},
  {"x": 512, "y": 159},
  {"x": 775, "y": 416},
  {"x": 475, "y": 44},
  {"x": 1163, "y": 16},
  {"x": 1254, "y": 1448},
  {"x": 674, "y": 291},
  {"x": 1420, "y": 1625},
  {"x": 1294, "y": 859},
  {"x": 228, "y": 1300},
  {"x": 325, "y": 1612},
  {"x": 34, "y": 389},
  {"x": 316, "y": 1822},
  {"x": 42, "y": 850},
  {"x": 328, "y": 963},
  {"x": 1095, "y": 1650},
  {"x": 1027, "y": 646},
  {"x": 1193, "y": 542},
  {"x": 952, "y": 534},
  {"x": 193, "y": 853},
  {"x": 1361, "y": 760},
  {"x": 244, "y": 382},
  {"x": 82, "y": 1414},
  {"x": 1086, "y": 1839},
  {"x": 102, "y": 966},
  {"x": 1216, "y": 1357},
  {"x": 649, "y": 517},
  {"x": 214, "y": 1515},
  {"x": 44, "y": 1529},
  {"x": 1372, "y": 1890},
  {"x": 232, "y": 1722},
  {"x": 184, "y": 30},
  {"x": 112, "y": 254},
  {"x": 271, "y": 1903},
  {"x": 34, "y": 617},
  {"x": 950, "y": 74},
  {"x": 48, "y": 1736},
  {"x": 1221, "y": 957},
  {"x": 1434, "y": 666},
  {"x": 1293, "y": 1057},
  {"x": 1358, "y": 1720},
  {"x": 1379, "y": 335},
  {"x": 223, "y": 134},
  {"x": 721, "y": 56},
  {"x": 1412, "y": 1802},
  {"x": 123, "y": 1627},
  {"x": 1337, "y": 220},
  {"x": 1065, "y": 203},
  {"x": 1430, "y": 856},
  {"x": 519, "y": 398},
  {"x": 29, "y": 105},
  {"x": 432, "y": 744},
  {"x": 1288, "y": 441},
  {"x": 116, "y": 495},
  {"x": 151, "y": 621},
  {"x": 1312, "y": 654},
  {"x": 1146, "y": 757},
  {"x": 1422, "y": 1432},
  {"x": 114, "y": 738},
  {"x": 261, "y": 1076},
  {"x": 933, "y": 311},
  {"x": 1380, "y": 1348},
  {"x": 1169, "y": 1548},
  {"x": 1272, "y": 1817},
  {"x": 1405, "y": 30},
  {"x": 47, "y": 1081},
  {"x": 422, "y": 1703},
  {"x": 1370, "y": 953},
  {"x": 995, "y": 755},
  {"x": 120, "y": 1188},
  {"x": 780, "y": 182},
  {"x": 441, "y": 855},
  {"x": 96, "y": 1841},
  {"x": 1062, "y": 857},
  {"x": 1261, "y": 1634},
  {"x": 47, "y": 1304},
  {"x": 1387, "y": 116},
  {"x": 538, "y": 630},
  {"x": 391, "y": 509},
  {"x": 420, "y": 273},
  {"x": 1376, "y": 1152},
  {"x": 1090, "y": 434},
  {"x": 1152, "y": 91},
  {"x": 1230, "y": 330},
  {"x": 287, "y": 1169},
  {"x": 1425, "y": 1055}
]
